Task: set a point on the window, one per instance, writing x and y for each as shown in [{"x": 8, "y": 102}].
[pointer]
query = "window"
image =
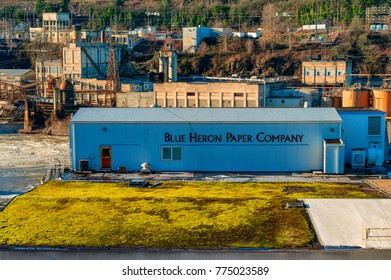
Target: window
[
  {"x": 374, "y": 125},
  {"x": 172, "y": 153},
  {"x": 282, "y": 101}
]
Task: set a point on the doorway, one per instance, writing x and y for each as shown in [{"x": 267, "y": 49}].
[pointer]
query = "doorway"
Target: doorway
[{"x": 105, "y": 157}]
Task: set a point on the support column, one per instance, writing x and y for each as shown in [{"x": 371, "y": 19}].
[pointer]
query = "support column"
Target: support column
[{"x": 27, "y": 124}]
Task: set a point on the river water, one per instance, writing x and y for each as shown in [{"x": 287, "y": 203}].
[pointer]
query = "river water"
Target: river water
[{"x": 25, "y": 158}]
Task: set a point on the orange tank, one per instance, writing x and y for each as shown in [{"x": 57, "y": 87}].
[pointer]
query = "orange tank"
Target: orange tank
[
  {"x": 355, "y": 98},
  {"x": 381, "y": 100},
  {"x": 66, "y": 85}
]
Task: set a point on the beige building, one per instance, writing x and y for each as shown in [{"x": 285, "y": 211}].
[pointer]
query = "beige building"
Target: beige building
[
  {"x": 213, "y": 94},
  {"x": 55, "y": 27},
  {"x": 17, "y": 77},
  {"x": 45, "y": 68},
  {"x": 323, "y": 72},
  {"x": 87, "y": 60}
]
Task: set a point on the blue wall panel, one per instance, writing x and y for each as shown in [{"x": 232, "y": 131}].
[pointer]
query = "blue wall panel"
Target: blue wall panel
[{"x": 217, "y": 146}]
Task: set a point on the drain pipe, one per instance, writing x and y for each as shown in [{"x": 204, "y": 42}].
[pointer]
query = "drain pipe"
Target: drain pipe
[{"x": 264, "y": 92}]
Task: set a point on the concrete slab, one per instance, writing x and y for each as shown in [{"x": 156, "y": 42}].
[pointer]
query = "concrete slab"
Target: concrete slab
[{"x": 362, "y": 223}]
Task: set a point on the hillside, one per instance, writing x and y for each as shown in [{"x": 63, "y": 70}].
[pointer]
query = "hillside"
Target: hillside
[
  {"x": 370, "y": 52},
  {"x": 168, "y": 14},
  {"x": 279, "y": 51}
]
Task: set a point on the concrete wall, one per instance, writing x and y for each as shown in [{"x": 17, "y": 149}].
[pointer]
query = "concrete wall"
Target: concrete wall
[
  {"x": 284, "y": 102},
  {"x": 326, "y": 72},
  {"x": 192, "y": 36},
  {"x": 311, "y": 95},
  {"x": 82, "y": 60},
  {"x": 203, "y": 94},
  {"x": 135, "y": 99},
  {"x": 188, "y": 254}
]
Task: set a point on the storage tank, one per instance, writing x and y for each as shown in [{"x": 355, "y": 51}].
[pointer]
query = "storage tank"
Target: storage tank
[
  {"x": 67, "y": 93},
  {"x": 381, "y": 100},
  {"x": 355, "y": 97}
]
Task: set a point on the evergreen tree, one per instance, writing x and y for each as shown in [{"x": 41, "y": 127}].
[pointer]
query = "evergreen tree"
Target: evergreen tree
[{"x": 40, "y": 6}]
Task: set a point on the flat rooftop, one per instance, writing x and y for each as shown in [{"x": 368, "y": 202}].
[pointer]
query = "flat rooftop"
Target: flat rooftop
[{"x": 364, "y": 223}]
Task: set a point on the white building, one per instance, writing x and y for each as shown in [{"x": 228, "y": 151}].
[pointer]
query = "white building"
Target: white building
[{"x": 192, "y": 36}]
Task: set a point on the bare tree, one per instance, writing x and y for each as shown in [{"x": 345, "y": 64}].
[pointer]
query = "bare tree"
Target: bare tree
[{"x": 271, "y": 22}]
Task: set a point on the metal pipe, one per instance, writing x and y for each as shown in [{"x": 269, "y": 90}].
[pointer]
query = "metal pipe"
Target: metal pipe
[{"x": 264, "y": 93}]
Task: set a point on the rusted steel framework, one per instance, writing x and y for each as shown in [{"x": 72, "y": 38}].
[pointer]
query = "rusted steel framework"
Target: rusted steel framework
[
  {"x": 11, "y": 92},
  {"x": 112, "y": 83}
]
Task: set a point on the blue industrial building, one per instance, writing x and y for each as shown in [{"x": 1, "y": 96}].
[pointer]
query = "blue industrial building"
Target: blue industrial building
[
  {"x": 224, "y": 139},
  {"x": 364, "y": 134}
]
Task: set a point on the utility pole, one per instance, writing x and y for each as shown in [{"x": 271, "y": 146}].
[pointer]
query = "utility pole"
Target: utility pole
[{"x": 239, "y": 21}]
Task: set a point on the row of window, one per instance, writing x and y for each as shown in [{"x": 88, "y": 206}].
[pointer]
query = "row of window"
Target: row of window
[
  {"x": 236, "y": 94},
  {"x": 55, "y": 22},
  {"x": 50, "y": 69},
  {"x": 321, "y": 73}
]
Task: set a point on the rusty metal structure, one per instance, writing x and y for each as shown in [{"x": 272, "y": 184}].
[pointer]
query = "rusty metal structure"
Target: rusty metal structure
[
  {"x": 112, "y": 82},
  {"x": 13, "y": 93}
]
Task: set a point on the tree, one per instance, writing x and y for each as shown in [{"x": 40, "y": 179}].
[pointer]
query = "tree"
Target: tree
[
  {"x": 40, "y": 6},
  {"x": 271, "y": 23},
  {"x": 119, "y": 3},
  {"x": 64, "y": 5}
]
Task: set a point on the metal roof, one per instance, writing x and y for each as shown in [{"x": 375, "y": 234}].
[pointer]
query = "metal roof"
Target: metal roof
[
  {"x": 14, "y": 72},
  {"x": 206, "y": 115}
]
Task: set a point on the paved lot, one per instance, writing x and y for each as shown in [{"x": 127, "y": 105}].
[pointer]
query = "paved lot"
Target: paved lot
[{"x": 362, "y": 223}]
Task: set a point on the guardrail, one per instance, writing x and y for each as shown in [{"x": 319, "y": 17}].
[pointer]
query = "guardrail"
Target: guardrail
[
  {"x": 375, "y": 234},
  {"x": 54, "y": 171}
]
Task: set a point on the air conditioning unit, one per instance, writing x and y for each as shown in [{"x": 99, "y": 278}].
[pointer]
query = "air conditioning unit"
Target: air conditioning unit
[{"x": 358, "y": 158}]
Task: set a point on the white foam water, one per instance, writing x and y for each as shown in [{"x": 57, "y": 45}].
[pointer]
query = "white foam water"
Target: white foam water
[{"x": 25, "y": 158}]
